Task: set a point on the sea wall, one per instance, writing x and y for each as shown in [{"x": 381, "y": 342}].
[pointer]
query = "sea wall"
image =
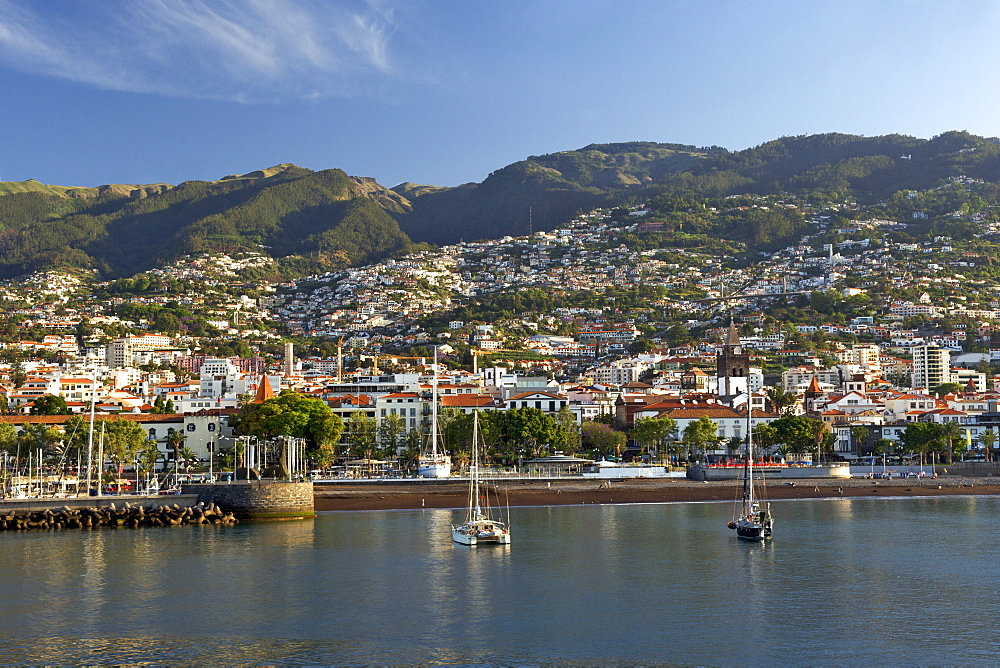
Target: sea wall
[
  {"x": 258, "y": 499},
  {"x": 128, "y": 516},
  {"x": 81, "y": 502},
  {"x": 699, "y": 472}
]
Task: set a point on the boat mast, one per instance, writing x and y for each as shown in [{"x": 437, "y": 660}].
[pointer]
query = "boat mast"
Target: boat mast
[
  {"x": 90, "y": 432},
  {"x": 434, "y": 405},
  {"x": 748, "y": 467},
  {"x": 474, "y": 510}
]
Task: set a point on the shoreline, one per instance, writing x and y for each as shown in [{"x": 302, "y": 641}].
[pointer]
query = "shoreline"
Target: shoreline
[{"x": 394, "y": 496}]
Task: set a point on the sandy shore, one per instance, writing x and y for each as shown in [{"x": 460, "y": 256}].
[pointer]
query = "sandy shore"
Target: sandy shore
[{"x": 391, "y": 496}]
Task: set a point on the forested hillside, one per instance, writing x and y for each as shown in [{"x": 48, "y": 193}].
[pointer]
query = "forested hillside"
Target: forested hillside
[
  {"x": 542, "y": 192},
  {"x": 289, "y": 210},
  {"x": 330, "y": 219}
]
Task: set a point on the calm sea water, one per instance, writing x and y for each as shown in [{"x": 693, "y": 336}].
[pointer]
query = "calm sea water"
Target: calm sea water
[{"x": 854, "y": 581}]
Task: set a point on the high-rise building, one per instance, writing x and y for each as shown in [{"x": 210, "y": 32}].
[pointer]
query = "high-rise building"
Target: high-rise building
[
  {"x": 931, "y": 366},
  {"x": 289, "y": 359}
]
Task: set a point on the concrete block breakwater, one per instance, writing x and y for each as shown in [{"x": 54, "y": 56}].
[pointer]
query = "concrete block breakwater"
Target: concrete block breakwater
[{"x": 128, "y": 516}]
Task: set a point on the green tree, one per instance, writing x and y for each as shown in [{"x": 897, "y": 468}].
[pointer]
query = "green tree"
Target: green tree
[
  {"x": 921, "y": 437},
  {"x": 175, "y": 439},
  {"x": 188, "y": 456},
  {"x": 296, "y": 415},
  {"x": 883, "y": 446},
  {"x": 149, "y": 455},
  {"x": 390, "y": 435},
  {"x": 456, "y": 434},
  {"x": 700, "y": 436},
  {"x": 362, "y": 434},
  {"x": 823, "y": 438},
  {"x": 602, "y": 439},
  {"x": 782, "y": 402},
  {"x": 18, "y": 375},
  {"x": 859, "y": 432},
  {"x": 653, "y": 433},
  {"x": 946, "y": 388},
  {"x": 951, "y": 433},
  {"x": 49, "y": 404},
  {"x": 987, "y": 439},
  {"x": 764, "y": 437},
  {"x": 796, "y": 431},
  {"x": 123, "y": 439},
  {"x": 35, "y": 437},
  {"x": 411, "y": 451},
  {"x": 517, "y": 433},
  {"x": 570, "y": 431},
  {"x": 8, "y": 438}
]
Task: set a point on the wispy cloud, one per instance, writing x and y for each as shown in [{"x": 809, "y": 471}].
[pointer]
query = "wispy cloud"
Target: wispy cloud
[{"x": 248, "y": 50}]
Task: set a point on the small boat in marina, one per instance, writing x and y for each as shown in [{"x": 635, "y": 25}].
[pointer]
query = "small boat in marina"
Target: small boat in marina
[
  {"x": 755, "y": 521},
  {"x": 480, "y": 526}
]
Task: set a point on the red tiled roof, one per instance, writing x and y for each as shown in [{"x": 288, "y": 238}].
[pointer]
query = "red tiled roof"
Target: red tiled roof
[{"x": 466, "y": 400}]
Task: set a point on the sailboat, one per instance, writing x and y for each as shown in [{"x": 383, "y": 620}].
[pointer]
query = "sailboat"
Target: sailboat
[
  {"x": 434, "y": 464},
  {"x": 479, "y": 526},
  {"x": 755, "y": 521}
]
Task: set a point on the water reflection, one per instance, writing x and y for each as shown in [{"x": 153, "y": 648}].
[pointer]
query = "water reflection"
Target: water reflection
[{"x": 589, "y": 584}]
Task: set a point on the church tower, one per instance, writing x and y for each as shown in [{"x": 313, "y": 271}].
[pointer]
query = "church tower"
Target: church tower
[
  {"x": 813, "y": 392},
  {"x": 733, "y": 366}
]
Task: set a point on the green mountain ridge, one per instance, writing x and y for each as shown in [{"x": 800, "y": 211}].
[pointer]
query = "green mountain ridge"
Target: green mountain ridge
[{"x": 337, "y": 220}]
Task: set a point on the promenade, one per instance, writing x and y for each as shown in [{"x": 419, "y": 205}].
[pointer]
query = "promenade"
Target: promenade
[{"x": 437, "y": 494}]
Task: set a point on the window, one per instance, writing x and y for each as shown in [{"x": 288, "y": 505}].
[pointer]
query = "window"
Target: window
[
  {"x": 211, "y": 426},
  {"x": 152, "y": 433},
  {"x": 191, "y": 426}
]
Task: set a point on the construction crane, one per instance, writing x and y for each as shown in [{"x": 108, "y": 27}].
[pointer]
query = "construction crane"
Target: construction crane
[{"x": 340, "y": 360}]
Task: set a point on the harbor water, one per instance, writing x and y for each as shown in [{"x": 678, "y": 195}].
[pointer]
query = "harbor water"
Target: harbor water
[{"x": 845, "y": 581}]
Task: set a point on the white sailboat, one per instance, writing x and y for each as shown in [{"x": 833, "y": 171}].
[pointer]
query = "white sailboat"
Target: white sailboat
[
  {"x": 479, "y": 526},
  {"x": 755, "y": 521},
  {"x": 434, "y": 464}
]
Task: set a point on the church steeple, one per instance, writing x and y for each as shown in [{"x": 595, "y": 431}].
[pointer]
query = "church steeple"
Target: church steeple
[
  {"x": 733, "y": 337},
  {"x": 732, "y": 365},
  {"x": 264, "y": 390}
]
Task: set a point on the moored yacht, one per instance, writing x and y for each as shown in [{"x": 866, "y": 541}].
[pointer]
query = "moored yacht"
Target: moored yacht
[
  {"x": 755, "y": 521},
  {"x": 434, "y": 464},
  {"x": 479, "y": 526}
]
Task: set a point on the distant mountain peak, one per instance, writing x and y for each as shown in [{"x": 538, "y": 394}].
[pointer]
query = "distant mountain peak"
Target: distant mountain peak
[{"x": 268, "y": 172}]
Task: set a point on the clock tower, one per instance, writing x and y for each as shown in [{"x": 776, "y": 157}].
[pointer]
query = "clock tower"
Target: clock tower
[{"x": 733, "y": 365}]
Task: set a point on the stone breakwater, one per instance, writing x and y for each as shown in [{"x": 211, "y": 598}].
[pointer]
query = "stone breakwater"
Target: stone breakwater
[
  {"x": 259, "y": 499},
  {"x": 128, "y": 516}
]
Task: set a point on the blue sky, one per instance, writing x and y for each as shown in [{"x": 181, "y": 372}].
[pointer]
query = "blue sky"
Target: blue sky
[{"x": 441, "y": 92}]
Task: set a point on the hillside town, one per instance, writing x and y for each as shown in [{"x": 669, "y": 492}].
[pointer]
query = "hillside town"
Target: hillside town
[{"x": 863, "y": 335}]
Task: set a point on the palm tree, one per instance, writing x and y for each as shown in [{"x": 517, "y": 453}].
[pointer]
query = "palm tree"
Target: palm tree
[
  {"x": 411, "y": 451},
  {"x": 950, "y": 431},
  {"x": 148, "y": 457},
  {"x": 187, "y": 455},
  {"x": 820, "y": 432},
  {"x": 859, "y": 433},
  {"x": 175, "y": 440},
  {"x": 987, "y": 439},
  {"x": 781, "y": 401}
]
